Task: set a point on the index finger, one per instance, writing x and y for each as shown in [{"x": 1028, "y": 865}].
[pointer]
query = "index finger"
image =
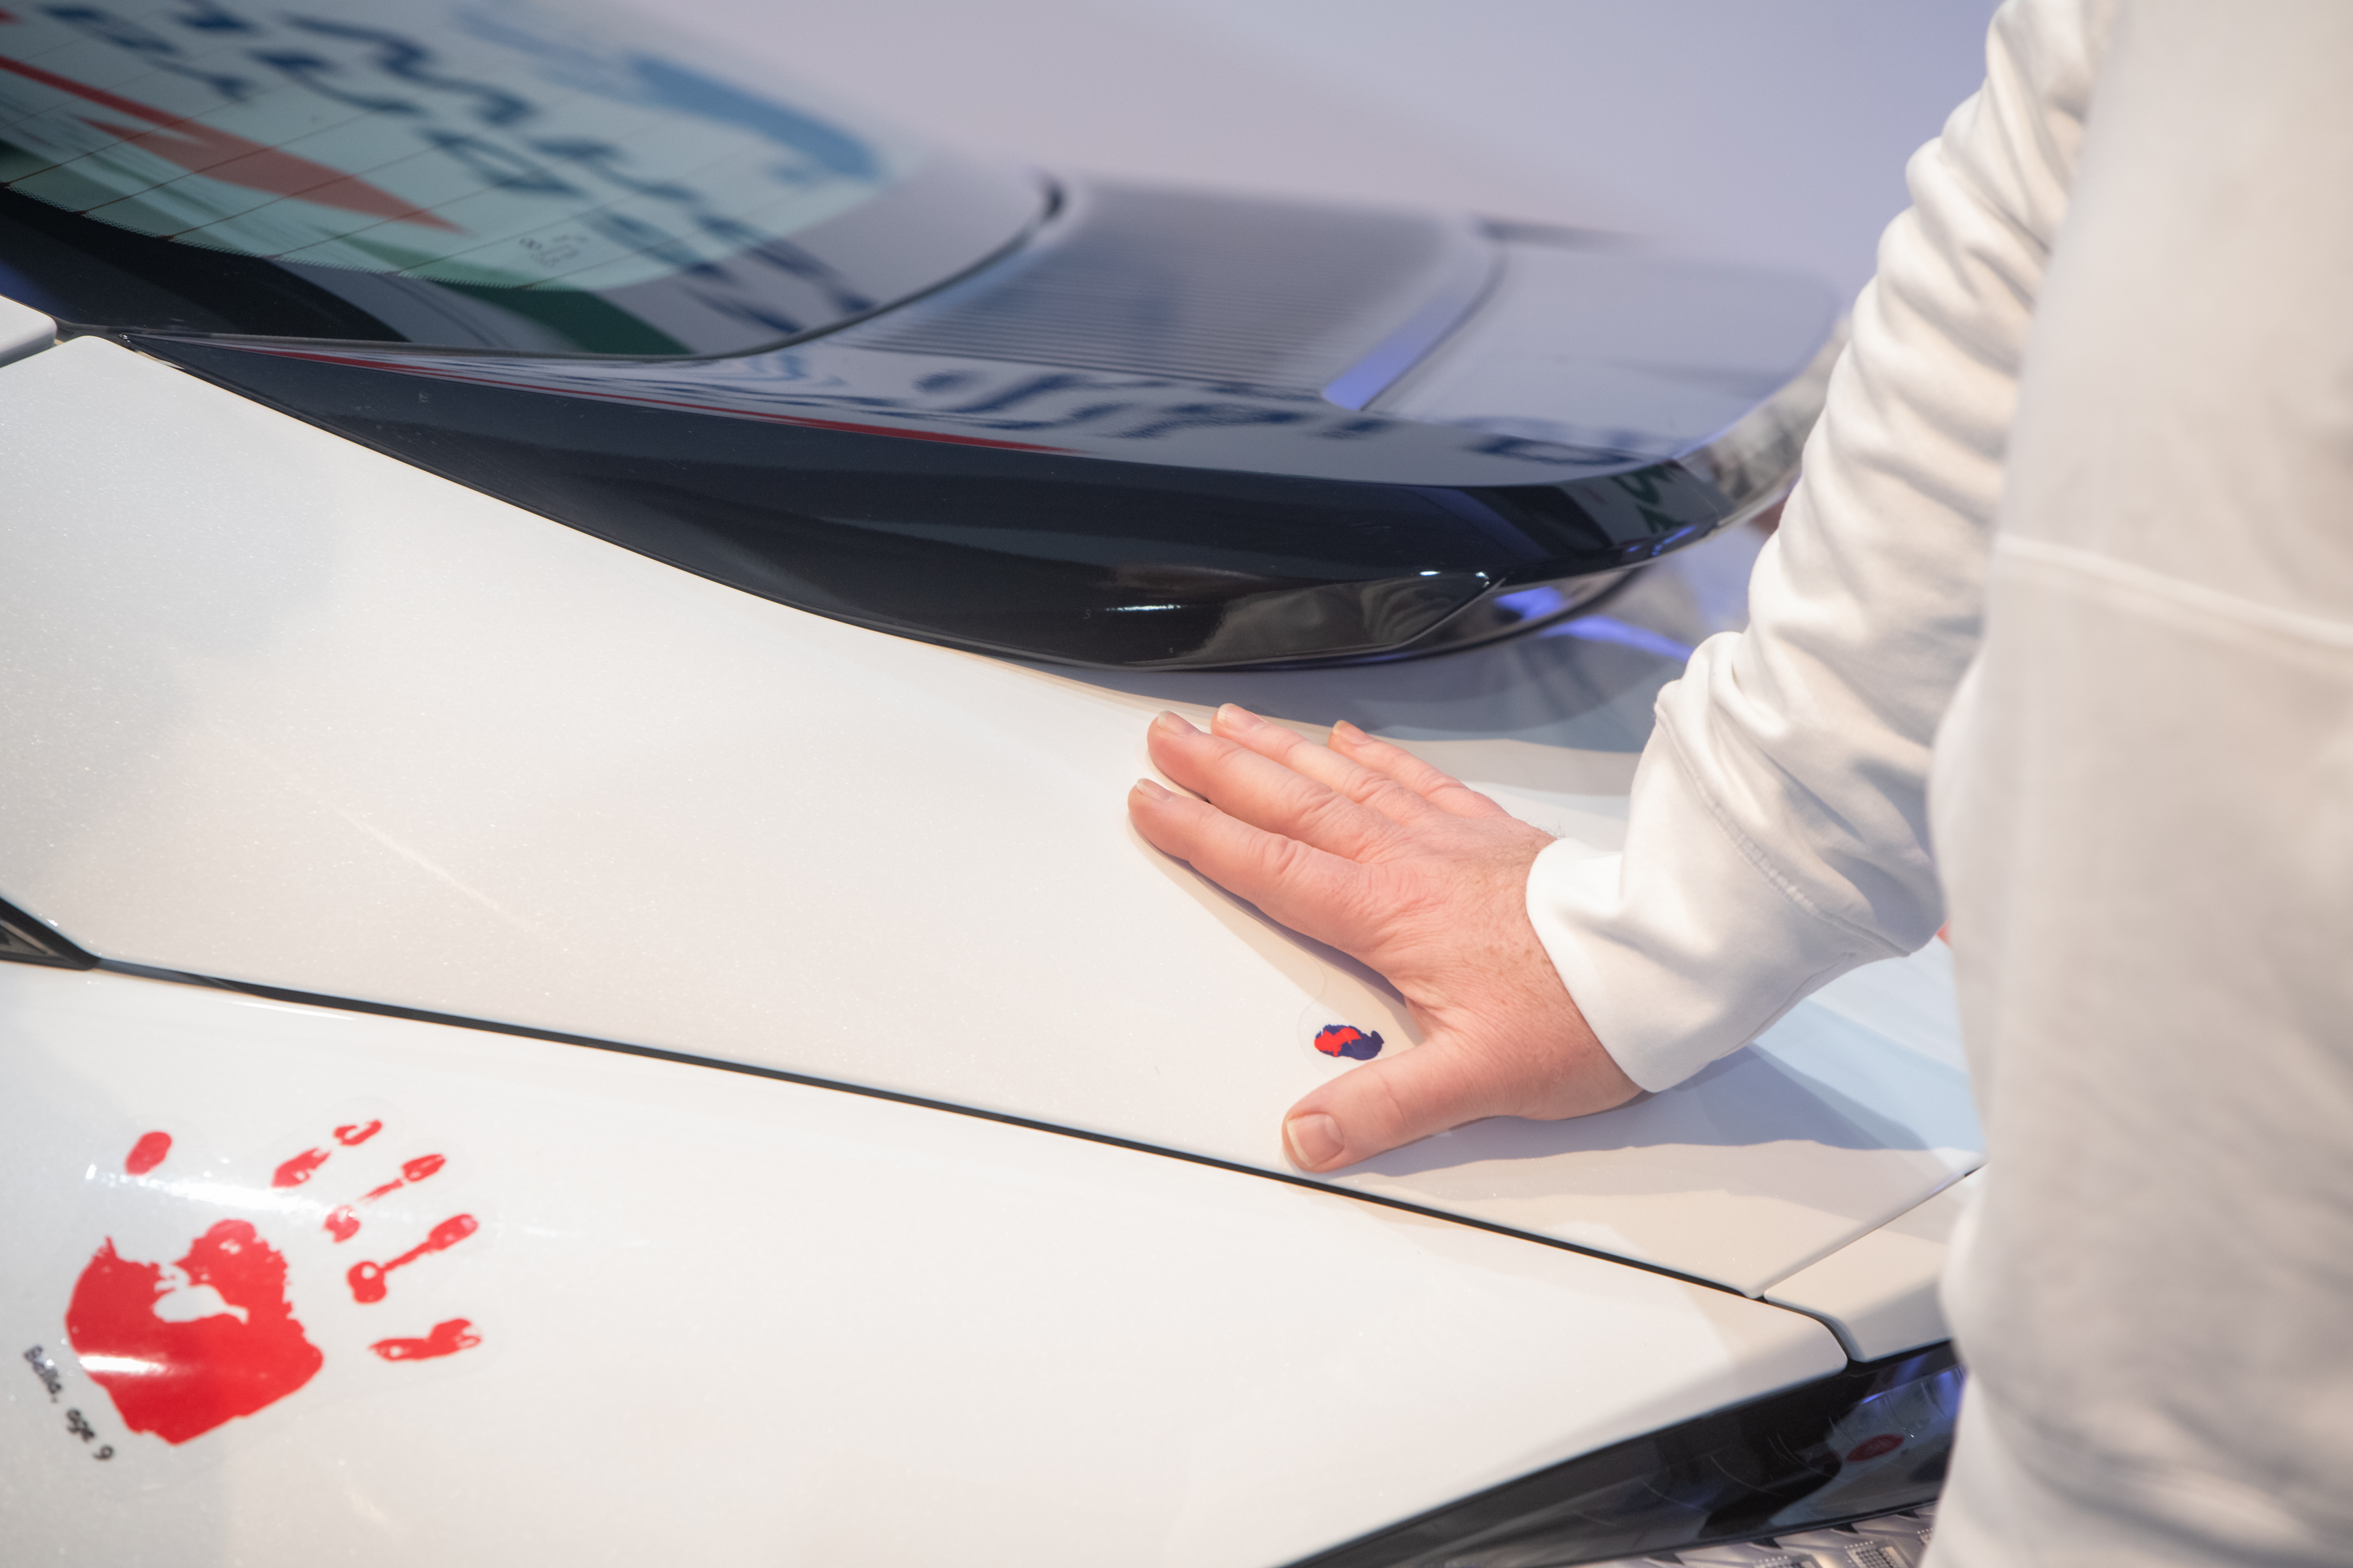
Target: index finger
[
  {"x": 1307, "y": 888},
  {"x": 1260, "y": 790},
  {"x": 1327, "y": 766},
  {"x": 1439, "y": 788}
]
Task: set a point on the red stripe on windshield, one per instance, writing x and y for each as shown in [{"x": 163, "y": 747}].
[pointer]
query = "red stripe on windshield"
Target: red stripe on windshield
[{"x": 235, "y": 160}]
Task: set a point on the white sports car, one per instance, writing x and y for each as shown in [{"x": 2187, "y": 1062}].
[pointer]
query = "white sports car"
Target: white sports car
[{"x": 574, "y": 630}]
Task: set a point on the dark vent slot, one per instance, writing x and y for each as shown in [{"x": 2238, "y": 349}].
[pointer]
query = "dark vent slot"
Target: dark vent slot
[{"x": 24, "y": 939}]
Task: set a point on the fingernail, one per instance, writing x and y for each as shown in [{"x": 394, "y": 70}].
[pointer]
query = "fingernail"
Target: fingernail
[
  {"x": 1173, "y": 723},
  {"x": 1315, "y": 1141},
  {"x": 1236, "y": 718},
  {"x": 1347, "y": 732},
  {"x": 1151, "y": 791}
]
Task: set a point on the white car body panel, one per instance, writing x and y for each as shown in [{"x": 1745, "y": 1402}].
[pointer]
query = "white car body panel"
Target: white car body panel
[
  {"x": 23, "y": 331},
  {"x": 1879, "y": 1292},
  {"x": 729, "y": 1319},
  {"x": 288, "y": 712}
]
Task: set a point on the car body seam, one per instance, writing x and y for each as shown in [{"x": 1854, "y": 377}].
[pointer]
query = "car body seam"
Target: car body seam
[{"x": 811, "y": 1080}]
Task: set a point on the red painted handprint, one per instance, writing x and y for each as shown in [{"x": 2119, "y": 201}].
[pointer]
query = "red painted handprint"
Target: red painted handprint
[
  {"x": 176, "y": 1369},
  {"x": 367, "y": 1278},
  {"x": 179, "y": 1380}
]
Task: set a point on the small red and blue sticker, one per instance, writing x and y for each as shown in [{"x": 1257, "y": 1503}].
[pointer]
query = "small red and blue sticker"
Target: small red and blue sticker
[{"x": 1347, "y": 1040}]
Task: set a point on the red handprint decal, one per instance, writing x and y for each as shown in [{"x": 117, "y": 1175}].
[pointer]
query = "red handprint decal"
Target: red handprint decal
[
  {"x": 367, "y": 1278},
  {"x": 344, "y": 1223},
  {"x": 147, "y": 1153},
  {"x": 297, "y": 1171},
  {"x": 180, "y": 1380},
  {"x": 176, "y": 1370},
  {"x": 447, "y": 1338}
]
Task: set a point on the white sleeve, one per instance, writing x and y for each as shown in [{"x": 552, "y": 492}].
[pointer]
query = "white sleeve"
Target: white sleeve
[{"x": 1779, "y": 832}]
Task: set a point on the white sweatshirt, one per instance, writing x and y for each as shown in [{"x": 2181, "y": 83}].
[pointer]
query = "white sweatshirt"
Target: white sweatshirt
[{"x": 2078, "y": 526}]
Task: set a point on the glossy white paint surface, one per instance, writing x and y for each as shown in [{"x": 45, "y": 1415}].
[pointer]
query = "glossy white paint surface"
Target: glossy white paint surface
[
  {"x": 729, "y": 1319},
  {"x": 284, "y": 711},
  {"x": 1879, "y": 1292},
  {"x": 23, "y": 331}
]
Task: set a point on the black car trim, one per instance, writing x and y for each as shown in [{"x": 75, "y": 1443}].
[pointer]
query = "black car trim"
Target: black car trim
[
  {"x": 1028, "y": 552},
  {"x": 1620, "y": 1502},
  {"x": 24, "y": 939}
]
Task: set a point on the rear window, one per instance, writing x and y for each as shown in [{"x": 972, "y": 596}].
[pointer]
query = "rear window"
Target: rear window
[{"x": 499, "y": 175}]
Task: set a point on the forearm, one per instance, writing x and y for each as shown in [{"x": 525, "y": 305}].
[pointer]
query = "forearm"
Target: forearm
[{"x": 1778, "y": 828}]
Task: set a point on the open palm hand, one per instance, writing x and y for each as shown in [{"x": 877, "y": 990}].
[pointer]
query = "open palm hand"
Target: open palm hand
[{"x": 1367, "y": 847}]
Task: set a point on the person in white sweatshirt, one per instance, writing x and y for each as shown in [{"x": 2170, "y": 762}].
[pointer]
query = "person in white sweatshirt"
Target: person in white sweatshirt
[{"x": 2055, "y": 640}]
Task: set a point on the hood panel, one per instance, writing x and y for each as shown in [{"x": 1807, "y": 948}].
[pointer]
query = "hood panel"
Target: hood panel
[
  {"x": 292, "y": 713},
  {"x": 842, "y": 1328}
]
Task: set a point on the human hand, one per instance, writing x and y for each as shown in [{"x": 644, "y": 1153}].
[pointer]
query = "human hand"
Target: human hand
[{"x": 1367, "y": 847}]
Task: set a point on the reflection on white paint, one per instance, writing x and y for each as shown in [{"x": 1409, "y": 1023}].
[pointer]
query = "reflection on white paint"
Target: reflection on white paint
[
  {"x": 229, "y": 1195},
  {"x": 121, "y": 1366}
]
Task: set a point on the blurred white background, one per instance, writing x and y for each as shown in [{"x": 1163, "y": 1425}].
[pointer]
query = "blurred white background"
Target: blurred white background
[{"x": 1768, "y": 130}]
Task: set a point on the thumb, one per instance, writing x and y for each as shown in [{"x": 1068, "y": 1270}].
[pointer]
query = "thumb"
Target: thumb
[{"x": 1378, "y": 1105}]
